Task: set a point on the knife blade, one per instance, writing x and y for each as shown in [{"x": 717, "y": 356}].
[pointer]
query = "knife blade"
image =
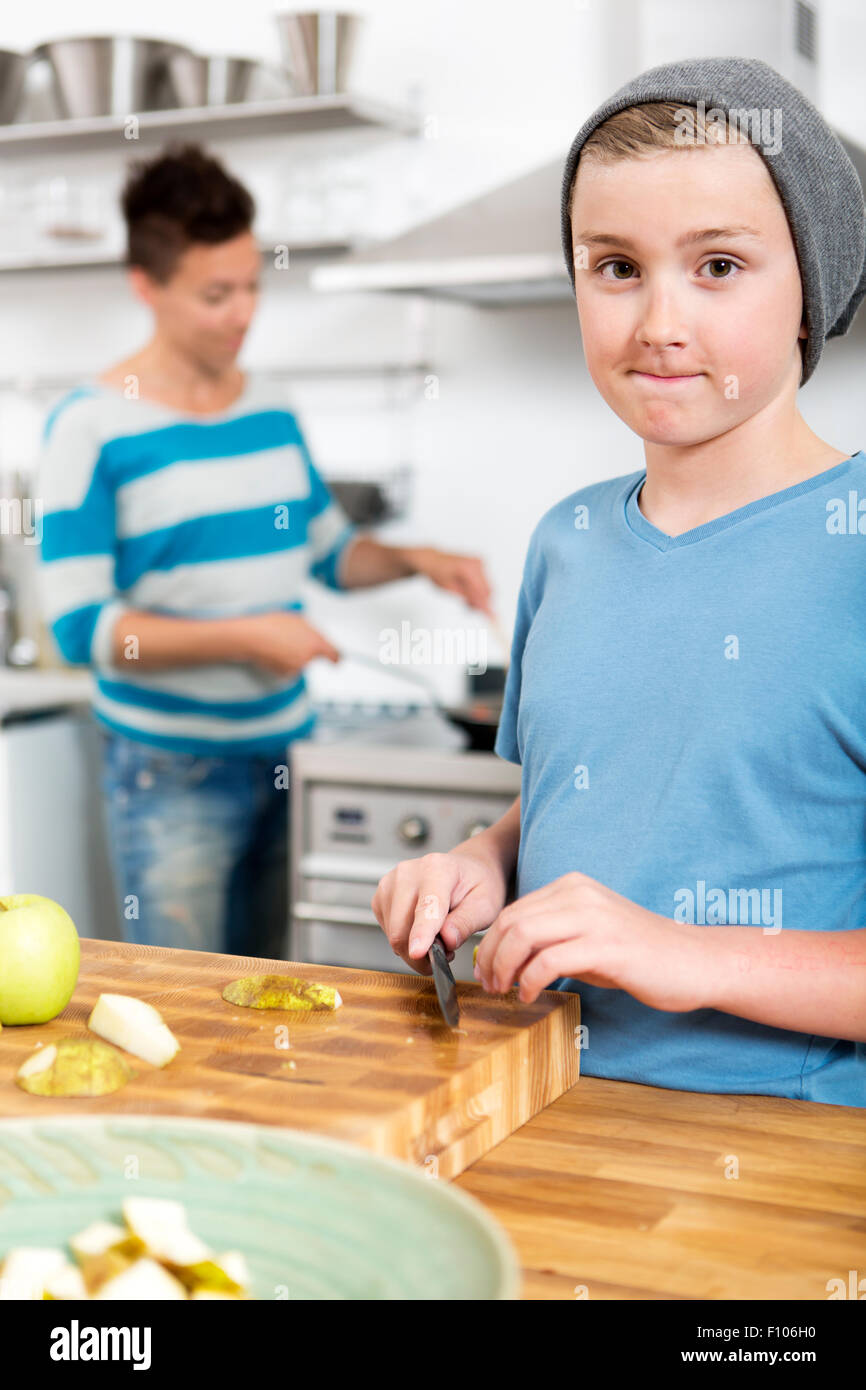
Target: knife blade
[{"x": 446, "y": 990}]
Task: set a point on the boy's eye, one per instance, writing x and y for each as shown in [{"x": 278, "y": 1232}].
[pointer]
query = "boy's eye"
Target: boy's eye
[
  {"x": 721, "y": 260},
  {"x": 616, "y": 266}
]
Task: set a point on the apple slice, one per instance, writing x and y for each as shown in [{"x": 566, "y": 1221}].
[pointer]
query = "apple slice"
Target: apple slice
[
  {"x": 67, "y": 1283},
  {"x": 281, "y": 992},
  {"x": 40, "y": 1060},
  {"x": 226, "y": 1275},
  {"x": 96, "y": 1238},
  {"x": 161, "y": 1225},
  {"x": 134, "y": 1025},
  {"x": 26, "y": 1270},
  {"x": 97, "y": 1270},
  {"x": 144, "y": 1279},
  {"x": 234, "y": 1265},
  {"x": 74, "y": 1067}
]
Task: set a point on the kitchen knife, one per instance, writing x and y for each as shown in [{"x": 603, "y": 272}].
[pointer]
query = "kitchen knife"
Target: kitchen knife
[{"x": 446, "y": 990}]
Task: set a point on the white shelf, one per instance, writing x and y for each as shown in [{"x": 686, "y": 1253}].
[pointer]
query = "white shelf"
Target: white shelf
[
  {"x": 83, "y": 256},
  {"x": 286, "y": 116},
  {"x": 290, "y": 372}
]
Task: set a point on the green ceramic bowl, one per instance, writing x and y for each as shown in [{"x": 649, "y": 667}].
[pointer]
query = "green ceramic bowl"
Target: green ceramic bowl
[{"x": 316, "y": 1218}]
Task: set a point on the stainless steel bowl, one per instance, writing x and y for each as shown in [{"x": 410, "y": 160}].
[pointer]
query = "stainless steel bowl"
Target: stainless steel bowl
[
  {"x": 116, "y": 75},
  {"x": 13, "y": 69},
  {"x": 317, "y": 48},
  {"x": 39, "y": 98},
  {"x": 185, "y": 77},
  {"x": 231, "y": 80}
]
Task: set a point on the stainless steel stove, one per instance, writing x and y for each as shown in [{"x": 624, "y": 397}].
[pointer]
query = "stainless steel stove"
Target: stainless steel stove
[
  {"x": 395, "y": 787},
  {"x": 394, "y": 723}
]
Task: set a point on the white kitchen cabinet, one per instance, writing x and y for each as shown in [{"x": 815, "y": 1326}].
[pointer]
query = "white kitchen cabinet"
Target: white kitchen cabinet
[{"x": 52, "y": 837}]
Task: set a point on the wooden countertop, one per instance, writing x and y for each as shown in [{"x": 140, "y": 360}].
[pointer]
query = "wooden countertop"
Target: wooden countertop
[
  {"x": 622, "y": 1191},
  {"x": 612, "y": 1191}
]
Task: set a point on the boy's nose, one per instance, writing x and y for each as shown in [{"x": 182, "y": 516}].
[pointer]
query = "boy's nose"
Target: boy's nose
[{"x": 661, "y": 319}]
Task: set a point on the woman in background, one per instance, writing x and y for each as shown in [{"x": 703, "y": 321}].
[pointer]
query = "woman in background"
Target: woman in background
[{"x": 182, "y": 511}]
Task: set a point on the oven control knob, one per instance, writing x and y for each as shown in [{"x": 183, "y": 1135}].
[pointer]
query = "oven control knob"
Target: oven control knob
[
  {"x": 475, "y": 827},
  {"x": 414, "y": 830}
]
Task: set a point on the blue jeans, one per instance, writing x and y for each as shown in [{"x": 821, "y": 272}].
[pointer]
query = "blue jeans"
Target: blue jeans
[{"x": 199, "y": 847}]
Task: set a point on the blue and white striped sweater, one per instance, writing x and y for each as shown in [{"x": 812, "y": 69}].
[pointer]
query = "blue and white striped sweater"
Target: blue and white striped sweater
[{"x": 214, "y": 516}]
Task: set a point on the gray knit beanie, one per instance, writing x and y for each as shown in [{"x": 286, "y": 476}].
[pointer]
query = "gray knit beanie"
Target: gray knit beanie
[{"x": 816, "y": 181}]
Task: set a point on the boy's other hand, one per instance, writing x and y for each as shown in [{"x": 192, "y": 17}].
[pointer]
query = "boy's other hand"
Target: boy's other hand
[
  {"x": 448, "y": 895},
  {"x": 576, "y": 927}
]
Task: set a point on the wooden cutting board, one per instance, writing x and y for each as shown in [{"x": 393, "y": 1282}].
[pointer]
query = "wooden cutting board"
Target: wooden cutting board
[{"x": 383, "y": 1071}]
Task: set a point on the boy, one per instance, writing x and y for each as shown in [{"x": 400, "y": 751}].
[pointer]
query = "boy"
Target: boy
[
  {"x": 686, "y": 694},
  {"x": 182, "y": 511}
]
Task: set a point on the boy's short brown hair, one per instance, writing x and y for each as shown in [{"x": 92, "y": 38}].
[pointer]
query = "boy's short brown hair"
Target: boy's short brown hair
[
  {"x": 180, "y": 197},
  {"x": 655, "y": 125}
]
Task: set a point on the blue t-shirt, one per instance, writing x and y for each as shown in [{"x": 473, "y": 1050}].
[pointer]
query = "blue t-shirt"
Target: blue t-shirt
[{"x": 690, "y": 716}]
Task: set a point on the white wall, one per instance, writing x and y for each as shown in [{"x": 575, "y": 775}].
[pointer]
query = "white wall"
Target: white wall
[{"x": 517, "y": 423}]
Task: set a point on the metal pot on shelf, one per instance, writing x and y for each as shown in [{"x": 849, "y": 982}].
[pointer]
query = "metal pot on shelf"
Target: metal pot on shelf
[
  {"x": 13, "y": 71},
  {"x": 318, "y": 47},
  {"x": 116, "y": 75},
  {"x": 231, "y": 80}
]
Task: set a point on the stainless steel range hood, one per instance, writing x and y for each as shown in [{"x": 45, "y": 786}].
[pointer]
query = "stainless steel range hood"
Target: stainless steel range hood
[{"x": 501, "y": 248}]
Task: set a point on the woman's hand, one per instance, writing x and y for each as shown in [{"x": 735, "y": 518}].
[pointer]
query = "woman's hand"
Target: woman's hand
[
  {"x": 577, "y": 927},
  {"x": 281, "y": 642},
  {"x": 459, "y": 574}
]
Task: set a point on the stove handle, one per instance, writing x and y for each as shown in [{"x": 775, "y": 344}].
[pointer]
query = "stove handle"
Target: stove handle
[
  {"x": 345, "y": 916},
  {"x": 326, "y": 912}
]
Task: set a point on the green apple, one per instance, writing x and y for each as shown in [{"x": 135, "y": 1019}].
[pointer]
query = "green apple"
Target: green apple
[{"x": 39, "y": 958}]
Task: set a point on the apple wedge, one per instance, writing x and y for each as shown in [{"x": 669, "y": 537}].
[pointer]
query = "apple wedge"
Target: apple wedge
[
  {"x": 154, "y": 1255},
  {"x": 224, "y": 1276},
  {"x": 67, "y": 1283},
  {"x": 161, "y": 1226},
  {"x": 96, "y": 1238},
  {"x": 143, "y": 1279},
  {"x": 134, "y": 1025},
  {"x": 281, "y": 992},
  {"x": 105, "y": 1245},
  {"x": 74, "y": 1067},
  {"x": 26, "y": 1270},
  {"x": 96, "y": 1270}
]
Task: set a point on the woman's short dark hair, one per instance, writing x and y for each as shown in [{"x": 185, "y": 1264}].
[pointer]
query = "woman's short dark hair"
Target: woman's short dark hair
[{"x": 180, "y": 197}]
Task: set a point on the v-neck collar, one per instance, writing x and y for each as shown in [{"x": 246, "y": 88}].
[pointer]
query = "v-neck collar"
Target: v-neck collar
[{"x": 638, "y": 523}]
